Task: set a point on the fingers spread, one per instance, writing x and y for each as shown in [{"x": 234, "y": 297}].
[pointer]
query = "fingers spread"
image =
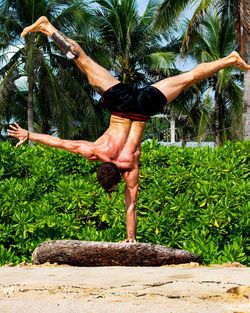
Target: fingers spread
[
  {"x": 13, "y": 127},
  {"x": 10, "y": 131}
]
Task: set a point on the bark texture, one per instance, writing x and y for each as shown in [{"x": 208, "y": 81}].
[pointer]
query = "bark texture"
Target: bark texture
[
  {"x": 247, "y": 105},
  {"x": 89, "y": 253},
  {"x": 244, "y": 29}
]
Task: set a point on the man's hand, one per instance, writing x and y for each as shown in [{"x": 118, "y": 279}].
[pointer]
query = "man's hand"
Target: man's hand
[
  {"x": 129, "y": 241},
  {"x": 17, "y": 132}
]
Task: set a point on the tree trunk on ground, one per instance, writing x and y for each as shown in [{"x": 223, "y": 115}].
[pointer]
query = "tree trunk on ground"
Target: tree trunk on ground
[{"x": 84, "y": 253}]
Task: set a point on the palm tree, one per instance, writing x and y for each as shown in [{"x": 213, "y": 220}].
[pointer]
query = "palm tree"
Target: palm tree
[
  {"x": 214, "y": 40},
  {"x": 236, "y": 10},
  {"x": 133, "y": 45},
  {"x": 53, "y": 87},
  {"x": 137, "y": 53}
]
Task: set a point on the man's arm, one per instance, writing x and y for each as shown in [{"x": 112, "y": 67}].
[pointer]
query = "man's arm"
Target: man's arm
[
  {"x": 84, "y": 148},
  {"x": 131, "y": 179}
]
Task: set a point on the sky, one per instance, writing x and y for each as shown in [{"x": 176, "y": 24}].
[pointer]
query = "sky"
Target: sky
[{"x": 142, "y": 5}]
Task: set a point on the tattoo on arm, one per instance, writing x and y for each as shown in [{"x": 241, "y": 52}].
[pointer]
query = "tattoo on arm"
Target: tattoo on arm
[{"x": 67, "y": 46}]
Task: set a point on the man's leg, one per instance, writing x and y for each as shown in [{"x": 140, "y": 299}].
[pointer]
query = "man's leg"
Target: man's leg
[
  {"x": 98, "y": 77},
  {"x": 172, "y": 87}
]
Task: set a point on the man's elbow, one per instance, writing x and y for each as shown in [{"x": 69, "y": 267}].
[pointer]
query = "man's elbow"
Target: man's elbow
[{"x": 69, "y": 147}]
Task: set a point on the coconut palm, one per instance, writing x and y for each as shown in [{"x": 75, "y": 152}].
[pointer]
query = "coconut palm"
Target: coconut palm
[
  {"x": 236, "y": 10},
  {"x": 53, "y": 87},
  {"x": 214, "y": 40},
  {"x": 140, "y": 53},
  {"x": 133, "y": 45}
]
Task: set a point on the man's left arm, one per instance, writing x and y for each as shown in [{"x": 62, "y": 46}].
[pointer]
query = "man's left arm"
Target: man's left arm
[{"x": 131, "y": 178}]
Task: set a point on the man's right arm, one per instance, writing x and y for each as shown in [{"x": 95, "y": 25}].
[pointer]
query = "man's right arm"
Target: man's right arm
[
  {"x": 82, "y": 147},
  {"x": 131, "y": 179}
]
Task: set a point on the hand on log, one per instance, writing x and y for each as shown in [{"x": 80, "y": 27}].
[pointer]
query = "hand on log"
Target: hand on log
[{"x": 128, "y": 241}]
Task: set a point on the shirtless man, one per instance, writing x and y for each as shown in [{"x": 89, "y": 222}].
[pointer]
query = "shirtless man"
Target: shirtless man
[{"x": 120, "y": 146}]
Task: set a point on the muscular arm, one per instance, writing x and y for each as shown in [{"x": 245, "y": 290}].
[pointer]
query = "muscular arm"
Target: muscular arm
[
  {"x": 131, "y": 179},
  {"x": 129, "y": 157},
  {"x": 84, "y": 148}
]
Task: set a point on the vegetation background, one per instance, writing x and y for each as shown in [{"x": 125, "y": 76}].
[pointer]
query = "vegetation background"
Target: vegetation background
[{"x": 190, "y": 198}]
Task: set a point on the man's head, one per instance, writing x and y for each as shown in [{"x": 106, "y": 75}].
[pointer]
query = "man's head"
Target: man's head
[{"x": 108, "y": 175}]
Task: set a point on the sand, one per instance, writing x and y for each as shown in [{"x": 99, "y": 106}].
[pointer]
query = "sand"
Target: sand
[{"x": 179, "y": 289}]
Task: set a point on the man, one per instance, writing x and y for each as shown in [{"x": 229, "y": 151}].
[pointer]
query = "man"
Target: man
[{"x": 120, "y": 146}]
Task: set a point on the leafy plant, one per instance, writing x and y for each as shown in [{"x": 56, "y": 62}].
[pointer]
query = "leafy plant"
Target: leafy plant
[{"x": 189, "y": 198}]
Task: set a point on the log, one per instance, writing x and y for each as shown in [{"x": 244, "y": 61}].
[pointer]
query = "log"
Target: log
[{"x": 89, "y": 253}]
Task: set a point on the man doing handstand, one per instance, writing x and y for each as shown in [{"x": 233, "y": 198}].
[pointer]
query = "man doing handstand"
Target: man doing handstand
[{"x": 120, "y": 146}]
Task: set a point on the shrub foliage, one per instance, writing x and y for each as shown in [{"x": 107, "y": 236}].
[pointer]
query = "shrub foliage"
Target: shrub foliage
[{"x": 190, "y": 198}]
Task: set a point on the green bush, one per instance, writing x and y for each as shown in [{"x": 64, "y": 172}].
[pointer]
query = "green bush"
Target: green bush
[{"x": 190, "y": 198}]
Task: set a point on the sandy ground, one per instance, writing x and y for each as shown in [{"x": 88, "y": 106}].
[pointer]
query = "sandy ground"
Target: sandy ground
[{"x": 178, "y": 289}]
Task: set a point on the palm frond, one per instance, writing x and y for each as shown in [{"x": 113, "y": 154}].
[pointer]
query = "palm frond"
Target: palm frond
[
  {"x": 195, "y": 22},
  {"x": 168, "y": 11},
  {"x": 7, "y": 87},
  {"x": 205, "y": 117},
  {"x": 161, "y": 62},
  {"x": 75, "y": 18},
  {"x": 10, "y": 29}
]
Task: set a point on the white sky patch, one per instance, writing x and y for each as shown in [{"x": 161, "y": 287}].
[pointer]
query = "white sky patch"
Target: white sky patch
[{"x": 142, "y": 4}]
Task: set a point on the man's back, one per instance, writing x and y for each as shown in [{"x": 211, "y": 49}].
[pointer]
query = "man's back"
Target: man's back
[{"x": 120, "y": 143}]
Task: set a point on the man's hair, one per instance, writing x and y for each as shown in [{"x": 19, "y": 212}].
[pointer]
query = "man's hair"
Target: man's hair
[{"x": 108, "y": 175}]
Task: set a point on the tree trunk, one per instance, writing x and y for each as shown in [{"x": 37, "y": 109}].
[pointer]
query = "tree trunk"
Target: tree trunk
[
  {"x": 172, "y": 129},
  {"x": 84, "y": 253},
  {"x": 247, "y": 106},
  {"x": 247, "y": 93},
  {"x": 29, "y": 67},
  {"x": 30, "y": 109},
  {"x": 244, "y": 42},
  {"x": 218, "y": 119}
]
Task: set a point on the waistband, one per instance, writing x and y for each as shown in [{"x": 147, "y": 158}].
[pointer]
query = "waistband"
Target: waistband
[{"x": 132, "y": 116}]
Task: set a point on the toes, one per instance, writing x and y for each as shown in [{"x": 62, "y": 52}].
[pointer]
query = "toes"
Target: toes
[{"x": 24, "y": 32}]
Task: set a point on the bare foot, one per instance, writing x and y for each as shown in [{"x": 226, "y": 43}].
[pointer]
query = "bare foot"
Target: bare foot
[
  {"x": 239, "y": 62},
  {"x": 41, "y": 25}
]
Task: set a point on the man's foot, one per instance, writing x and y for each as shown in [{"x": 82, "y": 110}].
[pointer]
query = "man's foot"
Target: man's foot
[
  {"x": 41, "y": 25},
  {"x": 239, "y": 62}
]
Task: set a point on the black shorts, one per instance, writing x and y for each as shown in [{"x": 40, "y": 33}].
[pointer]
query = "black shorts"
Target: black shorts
[{"x": 136, "y": 104}]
